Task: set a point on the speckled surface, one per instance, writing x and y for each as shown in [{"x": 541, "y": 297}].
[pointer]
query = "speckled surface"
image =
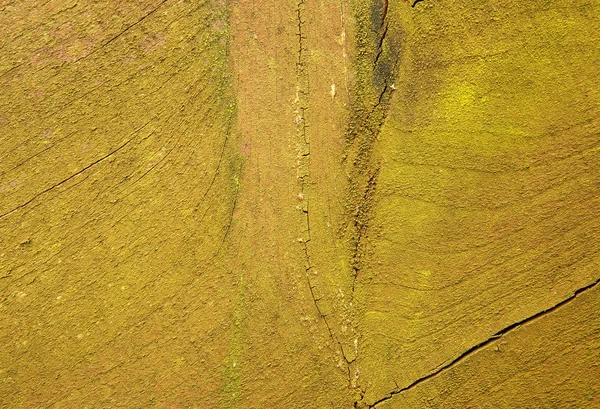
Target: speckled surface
[{"x": 313, "y": 204}]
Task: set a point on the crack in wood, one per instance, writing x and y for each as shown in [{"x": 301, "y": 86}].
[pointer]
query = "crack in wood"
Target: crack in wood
[{"x": 475, "y": 348}]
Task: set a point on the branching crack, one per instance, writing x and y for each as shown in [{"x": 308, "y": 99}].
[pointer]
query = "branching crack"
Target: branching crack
[{"x": 486, "y": 342}]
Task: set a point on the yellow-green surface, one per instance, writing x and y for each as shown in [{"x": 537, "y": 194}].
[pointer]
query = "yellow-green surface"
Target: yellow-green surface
[{"x": 299, "y": 204}]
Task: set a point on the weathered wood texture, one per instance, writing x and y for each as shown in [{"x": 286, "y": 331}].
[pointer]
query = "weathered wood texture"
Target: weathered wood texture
[{"x": 300, "y": 204}]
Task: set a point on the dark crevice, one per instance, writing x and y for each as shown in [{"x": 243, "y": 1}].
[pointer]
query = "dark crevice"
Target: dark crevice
[
  {"x": 379, "y": 50},
  {"x": 384, "y": 13},
  {"x": 486, "y": 342},
  {"x": 380, "y": 46}
]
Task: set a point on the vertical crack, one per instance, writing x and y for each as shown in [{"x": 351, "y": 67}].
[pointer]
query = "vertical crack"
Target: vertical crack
[
  {"x": 361, "y": 220},
  {"x": 376, "y": 66},
  {"x": 303, "y": 175}
]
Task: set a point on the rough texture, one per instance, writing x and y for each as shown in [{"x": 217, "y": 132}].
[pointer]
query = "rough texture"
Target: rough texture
[{"x": 299, "y": 204}]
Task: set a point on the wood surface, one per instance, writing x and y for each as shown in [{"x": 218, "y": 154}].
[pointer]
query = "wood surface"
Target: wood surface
[{"x": 299, "y": 204}]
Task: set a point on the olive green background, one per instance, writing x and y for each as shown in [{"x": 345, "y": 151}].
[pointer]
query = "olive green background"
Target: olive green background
[{"x": 299, "y": 204}]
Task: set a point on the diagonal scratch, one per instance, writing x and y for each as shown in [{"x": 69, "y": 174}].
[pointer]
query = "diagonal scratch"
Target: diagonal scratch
[
  {"x": 79, "y": 172},
  {"x": 488, "y": 341},
  {"x": 126, "y": 29}
]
